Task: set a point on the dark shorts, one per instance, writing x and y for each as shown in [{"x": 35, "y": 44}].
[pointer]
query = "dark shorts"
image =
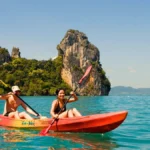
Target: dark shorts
[{"x": 6, "y": 114}]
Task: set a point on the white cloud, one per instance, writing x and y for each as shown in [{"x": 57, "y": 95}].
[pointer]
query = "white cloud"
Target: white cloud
[{"x": 131, "y": 70}]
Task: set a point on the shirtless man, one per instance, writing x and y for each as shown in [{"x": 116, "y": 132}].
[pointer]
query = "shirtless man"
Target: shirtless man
[{"x": 12, "y": 103}]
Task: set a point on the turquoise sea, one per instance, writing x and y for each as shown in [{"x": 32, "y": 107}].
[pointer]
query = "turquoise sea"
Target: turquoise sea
[{"x": 133, "y": 134}]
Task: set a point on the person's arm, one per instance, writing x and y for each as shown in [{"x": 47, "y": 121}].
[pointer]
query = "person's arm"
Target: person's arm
[
  {"x": 6, "y": 96},
  {"x": 32, "y": 112},
  {"x": 52, "y": 111},
  {"x": 28, "y": 109},
  {"x": 73, "y": 98}
]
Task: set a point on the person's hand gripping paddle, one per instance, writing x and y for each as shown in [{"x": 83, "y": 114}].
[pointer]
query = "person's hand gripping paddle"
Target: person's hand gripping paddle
[{"x": 45, "y": 131}]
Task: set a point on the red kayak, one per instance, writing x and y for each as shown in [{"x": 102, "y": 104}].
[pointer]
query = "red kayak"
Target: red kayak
[{"x": 97, "y": 123}]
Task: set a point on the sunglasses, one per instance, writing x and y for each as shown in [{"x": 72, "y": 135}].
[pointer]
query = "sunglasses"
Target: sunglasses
[{"x": 17, "y": 91}]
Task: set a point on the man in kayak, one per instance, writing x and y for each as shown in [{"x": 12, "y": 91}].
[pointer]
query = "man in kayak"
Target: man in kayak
[
  {"x": 12, "y": 103},
  {"x": 59, "y": 105}
]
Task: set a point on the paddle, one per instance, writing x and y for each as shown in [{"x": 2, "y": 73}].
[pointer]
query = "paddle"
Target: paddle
[
  {"x": 21, "y": 99},
  {"x": 45, "y": 131},
  {"x": 28, "y": 106}
]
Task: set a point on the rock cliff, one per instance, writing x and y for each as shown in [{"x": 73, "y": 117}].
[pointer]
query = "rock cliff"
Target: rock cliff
[
  {"x": 15, "y": 53},
  {"x": 4, "y": 56},
  {"x": 78, "y": 53}
]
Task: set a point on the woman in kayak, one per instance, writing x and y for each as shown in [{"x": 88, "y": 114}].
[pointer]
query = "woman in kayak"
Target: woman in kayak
[
  {"x": 12, "y": 103},
  {"x": 59, "y": 105}
]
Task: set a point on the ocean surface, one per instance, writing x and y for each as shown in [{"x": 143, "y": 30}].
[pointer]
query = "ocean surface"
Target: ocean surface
[{"x": 132, "y": 134}]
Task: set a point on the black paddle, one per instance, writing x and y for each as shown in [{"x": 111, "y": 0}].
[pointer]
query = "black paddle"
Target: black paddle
[
  {"x": 45, "y": 131},
  {"x": 28, "y": 106},
  {"x": 21, "y": 99}
]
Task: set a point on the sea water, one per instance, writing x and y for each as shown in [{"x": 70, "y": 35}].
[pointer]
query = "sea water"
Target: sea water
[{"x": 132, "y": 134}]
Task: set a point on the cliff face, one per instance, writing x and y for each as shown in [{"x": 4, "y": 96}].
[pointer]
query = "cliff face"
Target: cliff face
[
  {"x": 15, "y": 53},
  {"x": 4, "y": 56},
  {"x": 78, "y": 53}
]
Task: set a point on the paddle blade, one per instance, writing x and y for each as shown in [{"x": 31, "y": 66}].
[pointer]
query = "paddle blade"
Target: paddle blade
[
  {"x": 45, "y": 131},
  {"x": 6, "y": 85},
  {"x": 86, "y": 74}
]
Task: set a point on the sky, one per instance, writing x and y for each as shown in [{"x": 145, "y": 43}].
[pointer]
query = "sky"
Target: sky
[{"x": 119, "y": 29}]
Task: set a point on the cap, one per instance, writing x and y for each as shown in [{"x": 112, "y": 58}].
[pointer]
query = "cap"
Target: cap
[{"x": 15, "y": 88}]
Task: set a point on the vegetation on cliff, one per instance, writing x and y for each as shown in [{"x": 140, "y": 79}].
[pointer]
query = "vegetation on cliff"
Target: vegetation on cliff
[
  {"x": 32, "y": 76},
  {"x": 38, "y": 77}
]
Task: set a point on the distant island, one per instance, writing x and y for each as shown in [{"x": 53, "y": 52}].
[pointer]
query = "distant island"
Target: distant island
[{"x": 122, "y": 90}]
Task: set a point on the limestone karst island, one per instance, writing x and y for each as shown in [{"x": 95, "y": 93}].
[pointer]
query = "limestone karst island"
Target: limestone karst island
[{"x": 34, "y": 77}]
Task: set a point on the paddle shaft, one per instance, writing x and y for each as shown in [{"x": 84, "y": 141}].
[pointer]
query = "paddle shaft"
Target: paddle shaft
[{"x": 28, "y": 106}]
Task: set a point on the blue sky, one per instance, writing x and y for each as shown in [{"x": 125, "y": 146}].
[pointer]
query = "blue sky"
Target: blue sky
[{"x": 119, "y": 29}]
